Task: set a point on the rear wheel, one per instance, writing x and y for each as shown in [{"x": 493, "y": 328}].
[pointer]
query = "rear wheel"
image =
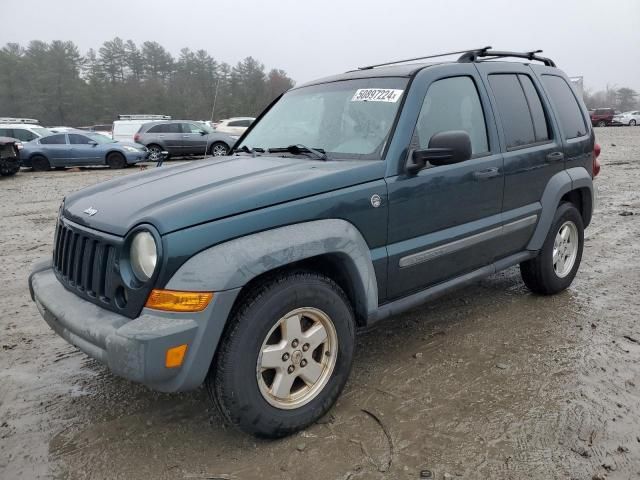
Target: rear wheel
[
  {"x": 601, "y": 123},
  {"x": 556, "y": 266},
  {"x": 116, "y": 160},
  {"x": 285, "y": 357},
  {"x": 632, "y": 123},
  {"x": 39, "y": 163},
  {"x": 219, "y": 149}
]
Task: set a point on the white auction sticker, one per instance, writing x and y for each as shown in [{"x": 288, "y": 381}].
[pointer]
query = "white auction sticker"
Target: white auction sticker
[{"x": 377, "y": 95}]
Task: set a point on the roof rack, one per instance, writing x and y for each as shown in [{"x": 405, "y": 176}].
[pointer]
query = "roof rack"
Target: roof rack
[
  {"x": 488, "y": 54},
  {"x": 472, "y": 56},
  {"x": 144, "y": 117},
  {"x": 421, "y": 58},
  {"x": 18, "y": 120}
]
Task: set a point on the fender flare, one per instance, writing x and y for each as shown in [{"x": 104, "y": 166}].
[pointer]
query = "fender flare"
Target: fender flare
[
  {"x": 559, "y": 185},
  {"x": 235, "y": 263}
]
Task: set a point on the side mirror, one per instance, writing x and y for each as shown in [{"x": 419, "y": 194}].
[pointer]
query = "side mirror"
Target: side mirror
[
  {"x": 93, "y": 143},
  {"x": 202, "y": 132},
  {"x": 445, "y": 148}
]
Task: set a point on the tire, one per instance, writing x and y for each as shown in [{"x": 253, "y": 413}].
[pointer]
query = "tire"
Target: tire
[
  {"x": 601, "y": 123},
  {"x": 155, "y": 152},
  {"x": 116, "y": 160},
  {"x": 219, "y": 149},
  {"x": 245, "y": 391},
  {"x": 632, "y": 123},
  {"x": 546, "y": 274},
  {"x": 39, "y": 163}
]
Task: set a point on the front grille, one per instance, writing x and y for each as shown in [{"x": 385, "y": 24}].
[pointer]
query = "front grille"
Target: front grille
[
  {"x": 87, "y": 262},
  {"x": 84, "y": 263}
]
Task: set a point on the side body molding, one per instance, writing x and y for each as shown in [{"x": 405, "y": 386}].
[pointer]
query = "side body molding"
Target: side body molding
[
  {"x": 560, "y": 184},
  {"x": 234, "y": 263}
]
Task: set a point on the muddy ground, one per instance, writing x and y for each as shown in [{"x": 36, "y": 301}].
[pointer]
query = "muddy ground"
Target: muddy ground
[{"x": 490, "y": 382}]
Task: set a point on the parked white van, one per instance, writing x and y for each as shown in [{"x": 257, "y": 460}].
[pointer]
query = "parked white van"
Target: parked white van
[{"x": 128, "y": 125}]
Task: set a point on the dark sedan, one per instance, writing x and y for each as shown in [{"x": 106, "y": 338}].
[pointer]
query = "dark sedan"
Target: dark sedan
[{"x": 72, "y": 149}]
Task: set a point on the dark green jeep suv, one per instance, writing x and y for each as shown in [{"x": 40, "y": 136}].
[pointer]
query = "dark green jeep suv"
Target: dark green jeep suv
[{"x": 350, "y": 199}]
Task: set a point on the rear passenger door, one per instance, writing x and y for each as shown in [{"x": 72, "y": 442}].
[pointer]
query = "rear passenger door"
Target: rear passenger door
[
  {"x": 57, "y": 149},
  {"x": 571, "y": 115},
  {"x": 445, "y": 220},
  {"x": 531, "y": 146}
]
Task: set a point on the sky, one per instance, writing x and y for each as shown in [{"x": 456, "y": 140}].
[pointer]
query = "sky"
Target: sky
[{"x": 599, "y": 40}]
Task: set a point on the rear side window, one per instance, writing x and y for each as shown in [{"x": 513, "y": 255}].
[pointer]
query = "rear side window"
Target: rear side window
[
  {"x": 521, "y": 112},
  {"x": 54, "y": 140},
  {"x": 6, "y": 132},
  {"x": 158, "y": 129},
  {"x": 540, "y": 126},
  {"x": 452, "y": 104},
  {"x": 236, "y": 123},
  {"x": 571, "y": 119}
]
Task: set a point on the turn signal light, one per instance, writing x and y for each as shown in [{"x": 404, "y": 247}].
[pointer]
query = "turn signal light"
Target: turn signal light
[
  {"x": 175, "y": 301},
  {"x": 175, "y": 356}
]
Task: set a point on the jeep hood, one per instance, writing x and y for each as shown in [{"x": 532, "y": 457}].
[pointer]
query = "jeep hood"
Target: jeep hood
[{"x": 175, "y": 197}]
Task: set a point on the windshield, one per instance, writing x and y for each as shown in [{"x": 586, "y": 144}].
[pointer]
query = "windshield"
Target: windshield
[
  {"x": 96, "y": 137},
  {"x": 346, "y": 119},
  {"x": 43, "y": 132}
]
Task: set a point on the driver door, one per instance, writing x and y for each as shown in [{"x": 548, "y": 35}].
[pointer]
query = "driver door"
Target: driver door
[
  {"x": 443, "y": 219},
  {"x": 193, "y": 140},
  {"x": 83, "y": 150}
]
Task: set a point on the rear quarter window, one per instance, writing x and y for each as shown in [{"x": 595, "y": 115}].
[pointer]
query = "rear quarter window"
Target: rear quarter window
[{"x": 570, "y": 115}]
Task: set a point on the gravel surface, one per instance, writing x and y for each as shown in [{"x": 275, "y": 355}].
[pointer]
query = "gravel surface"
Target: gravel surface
[{"x": 489, "y": 382}]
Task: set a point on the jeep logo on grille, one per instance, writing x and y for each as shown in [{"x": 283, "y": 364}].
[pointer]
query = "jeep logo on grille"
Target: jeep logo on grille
[{"x": 90, "y": 211}]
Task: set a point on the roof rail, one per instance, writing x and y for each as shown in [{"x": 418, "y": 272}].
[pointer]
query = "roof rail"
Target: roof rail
[
  {"x": 18, "y": 120},
  {"x": 144, "y": 117},
  {"x": 368, "y": 67},
  {"x": 488, "y": 54}
]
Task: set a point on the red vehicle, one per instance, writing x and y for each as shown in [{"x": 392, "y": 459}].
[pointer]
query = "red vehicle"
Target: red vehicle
[{"x": 602, "y": 117}]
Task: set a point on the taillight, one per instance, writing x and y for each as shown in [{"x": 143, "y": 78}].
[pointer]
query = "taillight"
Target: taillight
[
  {"x": 596, "y": 163},
  {"x": 136, "y": 137}
]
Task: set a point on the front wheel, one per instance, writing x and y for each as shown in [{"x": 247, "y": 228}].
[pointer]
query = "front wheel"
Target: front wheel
[
  {"x": 219, "y": 149},
  {"x": 285, "y": 357},
  {"x": 556, "y": 265},
  {"x": 601, "y": 123},
  {"x": 155, "y": 153},
  {"x": 116, "y": 160}
]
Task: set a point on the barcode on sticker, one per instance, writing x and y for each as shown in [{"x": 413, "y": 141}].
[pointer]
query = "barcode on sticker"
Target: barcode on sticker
[{"x": 377, "y": 95}]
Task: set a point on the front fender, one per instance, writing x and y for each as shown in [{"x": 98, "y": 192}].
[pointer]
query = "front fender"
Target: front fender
[{"x": 234, "y": 263}]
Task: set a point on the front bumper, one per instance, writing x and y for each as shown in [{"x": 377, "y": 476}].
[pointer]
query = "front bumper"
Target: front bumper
[
  {"x": 135, "y": 157},
  {"x": 134, "y": 348}
]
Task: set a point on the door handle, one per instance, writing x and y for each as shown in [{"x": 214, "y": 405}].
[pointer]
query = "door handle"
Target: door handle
[
  {"x": 555, "y": 157},
  {"x": 486, "y": 174}
]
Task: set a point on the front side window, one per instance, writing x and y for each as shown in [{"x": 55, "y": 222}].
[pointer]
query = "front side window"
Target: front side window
[
  {"x": 452, "y": 104},
  {"x": 348, "y": 119},
  {"x": 571, "y": 119},
  {"x": 75, "y": 139},
  {"x": 54, "y": 139},
  {"x": 23, "y": 135},
  {"x": 191, "y": 128}
]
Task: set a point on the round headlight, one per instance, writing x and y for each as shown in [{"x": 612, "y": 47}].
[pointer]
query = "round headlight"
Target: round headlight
[{"x": 143, "y": 255}]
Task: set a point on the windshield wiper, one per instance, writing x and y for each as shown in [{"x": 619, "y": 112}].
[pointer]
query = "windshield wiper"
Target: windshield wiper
[
  {"x": 249, "y": 150},
  {"x": 317, "y": 153}
]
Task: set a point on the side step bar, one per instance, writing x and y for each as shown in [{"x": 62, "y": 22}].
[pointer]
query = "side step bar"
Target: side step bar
[{"x": 406, "y": 303}]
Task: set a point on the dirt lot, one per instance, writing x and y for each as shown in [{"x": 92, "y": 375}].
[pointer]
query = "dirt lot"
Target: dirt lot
[{"x": 489, "y": 382}]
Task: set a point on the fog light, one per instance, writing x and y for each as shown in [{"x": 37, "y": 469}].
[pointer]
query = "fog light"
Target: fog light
[
  {"x": 175, "y": 356},
  {"x": 174, "y": 301}
]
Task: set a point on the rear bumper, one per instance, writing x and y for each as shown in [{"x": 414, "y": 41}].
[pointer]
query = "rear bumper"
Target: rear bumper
[
  {"x": 134, "y": 348},
  {"x": 136, "y": 157}
]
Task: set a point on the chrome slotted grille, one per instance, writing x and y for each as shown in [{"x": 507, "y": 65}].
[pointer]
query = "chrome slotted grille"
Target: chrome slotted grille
[{"x": 84, "y": 263}]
